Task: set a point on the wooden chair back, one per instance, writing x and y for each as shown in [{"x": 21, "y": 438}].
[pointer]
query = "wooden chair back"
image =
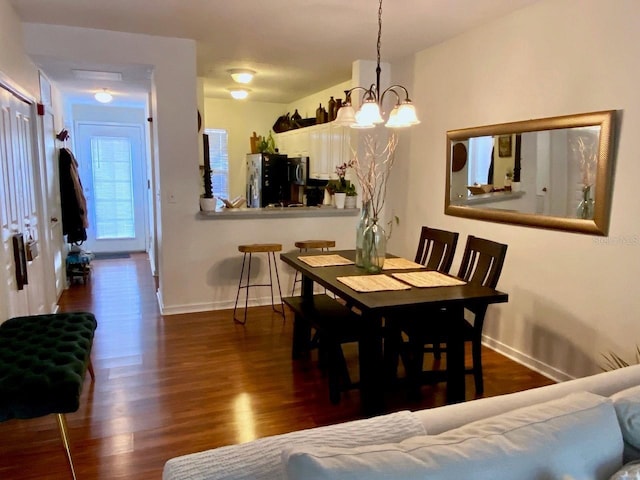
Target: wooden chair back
[
  {"x": 436, "y": 249},
  {"x": 482, "y": 261}
]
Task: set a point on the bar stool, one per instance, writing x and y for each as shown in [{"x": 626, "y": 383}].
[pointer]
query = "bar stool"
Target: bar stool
[
  {"x": 269, "y": 249},
  {"x": 305, "y": 246}
]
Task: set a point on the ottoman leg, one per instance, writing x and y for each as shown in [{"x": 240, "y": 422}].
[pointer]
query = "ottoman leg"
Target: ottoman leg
[
  {"x": 62, "y": 424},
  {"x": 91, "y": 372}
]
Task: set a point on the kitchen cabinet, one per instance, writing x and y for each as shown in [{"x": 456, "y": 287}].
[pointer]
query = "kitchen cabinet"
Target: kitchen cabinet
[{"x": 327, "y": 145}]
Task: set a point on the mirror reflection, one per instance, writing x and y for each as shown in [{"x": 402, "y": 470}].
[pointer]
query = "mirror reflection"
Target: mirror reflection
[{"x": 553, "y": 173}]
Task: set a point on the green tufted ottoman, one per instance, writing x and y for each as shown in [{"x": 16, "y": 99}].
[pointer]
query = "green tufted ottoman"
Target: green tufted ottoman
[{"x": 43, "y": 361}]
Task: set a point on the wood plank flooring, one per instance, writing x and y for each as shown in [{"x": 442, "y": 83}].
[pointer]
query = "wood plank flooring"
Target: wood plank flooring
[{"x": 168, "y": 386}]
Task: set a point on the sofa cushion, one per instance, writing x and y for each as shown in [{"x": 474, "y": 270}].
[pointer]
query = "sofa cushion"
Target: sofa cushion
[
  {"x": 576, "y": 436},
  {"x": 627, "y": 405},
  {"x": 260, "y": 459}
]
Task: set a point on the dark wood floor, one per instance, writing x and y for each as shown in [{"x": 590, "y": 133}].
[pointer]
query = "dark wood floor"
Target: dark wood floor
[{"x": 168, "y": 386}]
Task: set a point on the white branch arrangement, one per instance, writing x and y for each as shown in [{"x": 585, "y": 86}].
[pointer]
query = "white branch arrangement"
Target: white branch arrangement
[
  {"x": 587, "y": 153},
  {"x": 373, "y": 170}
]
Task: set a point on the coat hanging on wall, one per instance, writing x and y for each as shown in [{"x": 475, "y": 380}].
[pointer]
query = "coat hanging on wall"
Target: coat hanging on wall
[{"x": 73, "y": 201}]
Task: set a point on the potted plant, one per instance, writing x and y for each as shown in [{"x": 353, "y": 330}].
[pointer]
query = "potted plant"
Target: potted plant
[
  {"x": 341, "y": 185},
  {"x": 352, "y": 196},
  {"x": 207, "y": 200}
]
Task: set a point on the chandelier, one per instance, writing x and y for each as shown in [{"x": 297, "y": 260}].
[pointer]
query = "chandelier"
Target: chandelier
[{"x": 369, "y": 114}]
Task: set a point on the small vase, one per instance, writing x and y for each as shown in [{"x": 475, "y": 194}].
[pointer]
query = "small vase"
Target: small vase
[
  {"x": 208, "y": 204},
  {"x": 374, "y": 246},
  {"x": 351, "y": 201},
  {"x": 586, "y": 205},
  {"x": 340, "y": 199},
  {"x": 363, "y": 223}
]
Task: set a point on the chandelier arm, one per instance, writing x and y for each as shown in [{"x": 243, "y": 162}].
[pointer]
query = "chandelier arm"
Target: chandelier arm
[{"x": 392, "y": 88}]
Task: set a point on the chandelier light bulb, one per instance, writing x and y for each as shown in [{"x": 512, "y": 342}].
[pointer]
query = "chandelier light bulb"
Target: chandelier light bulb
[{"x": 103, "y": 96}]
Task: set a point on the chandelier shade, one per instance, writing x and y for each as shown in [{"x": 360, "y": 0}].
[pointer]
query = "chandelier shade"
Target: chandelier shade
[{"x": 370, "y": 112}]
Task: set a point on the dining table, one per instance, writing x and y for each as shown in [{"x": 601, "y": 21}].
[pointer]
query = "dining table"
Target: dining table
[{"x": 410, "y": 303}]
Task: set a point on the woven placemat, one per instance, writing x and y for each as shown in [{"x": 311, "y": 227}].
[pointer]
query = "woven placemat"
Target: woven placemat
[
  {"x": 428, "y": 279},
  {"x": 372, "y": 283},
  {"x": 325, "y": 260},
  {"x": 399, "y": 264}
]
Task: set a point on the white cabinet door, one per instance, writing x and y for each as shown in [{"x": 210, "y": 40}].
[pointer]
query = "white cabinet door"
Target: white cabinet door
[
  {"x": 320, "y": 151},
  {"x": 299, "y": 145}
]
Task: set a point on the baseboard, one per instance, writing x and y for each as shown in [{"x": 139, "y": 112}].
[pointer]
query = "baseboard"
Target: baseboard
[
  {"x": 210, "y": 306},
  {"x": 526, "y": 360}
]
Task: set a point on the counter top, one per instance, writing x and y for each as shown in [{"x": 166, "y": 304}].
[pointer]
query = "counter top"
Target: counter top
[
  {"x": 490, "y": 197},
  {"x": 277, "y": 212}
]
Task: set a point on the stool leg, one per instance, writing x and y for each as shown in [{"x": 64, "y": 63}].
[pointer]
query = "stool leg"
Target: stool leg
[
  {"x": 62, "y": 425},
  {"x": 275, "y": 266},
  {"x": 244, "y": 257}
]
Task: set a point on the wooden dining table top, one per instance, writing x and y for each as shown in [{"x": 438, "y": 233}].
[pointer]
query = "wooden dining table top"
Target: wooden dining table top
[{"x": 391, "y": 301}]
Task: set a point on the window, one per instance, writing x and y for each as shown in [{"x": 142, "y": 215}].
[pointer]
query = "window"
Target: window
[
  {"x": 112, "y": 187},
  {"x": 219, "y": 159}
]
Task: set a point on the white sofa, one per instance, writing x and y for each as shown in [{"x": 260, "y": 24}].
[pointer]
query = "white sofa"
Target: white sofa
[{"x": 587, "y": 428}]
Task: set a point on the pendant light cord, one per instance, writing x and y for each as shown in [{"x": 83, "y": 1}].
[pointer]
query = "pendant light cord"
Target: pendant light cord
[{"x": 378, "y": 70}]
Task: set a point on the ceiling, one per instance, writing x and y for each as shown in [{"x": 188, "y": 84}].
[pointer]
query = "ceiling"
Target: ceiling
[{"x": 297, "y": 47}]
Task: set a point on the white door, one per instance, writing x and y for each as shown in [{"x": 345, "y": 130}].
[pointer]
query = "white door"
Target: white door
[
  {"x": 112, "y": 171},
  {"x": 18, "y": 210}
]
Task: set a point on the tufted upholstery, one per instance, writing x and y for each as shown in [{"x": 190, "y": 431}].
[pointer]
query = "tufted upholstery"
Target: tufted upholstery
[{"x": 43, "y": 360}]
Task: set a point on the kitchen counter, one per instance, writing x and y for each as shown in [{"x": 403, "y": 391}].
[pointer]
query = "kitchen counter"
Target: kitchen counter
[{"x": 277, "y": 212}]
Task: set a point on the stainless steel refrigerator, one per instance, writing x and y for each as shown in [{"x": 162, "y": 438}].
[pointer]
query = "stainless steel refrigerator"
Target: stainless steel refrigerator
[{"x": 267, "y": 180}]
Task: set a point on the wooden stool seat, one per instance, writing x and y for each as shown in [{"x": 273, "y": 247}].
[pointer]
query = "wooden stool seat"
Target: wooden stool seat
[
  {"x": 260, "y": 248},
  {"x": 306, "y": 244},
  {"x": 270, "y": 249}
]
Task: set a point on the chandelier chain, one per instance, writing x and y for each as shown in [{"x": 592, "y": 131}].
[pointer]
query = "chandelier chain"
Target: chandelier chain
[{"x": 379, "y": 31}]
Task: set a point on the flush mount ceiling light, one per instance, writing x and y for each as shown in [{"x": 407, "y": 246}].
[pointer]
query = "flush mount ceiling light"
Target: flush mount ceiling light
[
  {"x": 242, "y": 75},
  {"x": 103, "y": 96},
  {"x": 239, "y": 93},
  {"x": 369, "y": 113}
]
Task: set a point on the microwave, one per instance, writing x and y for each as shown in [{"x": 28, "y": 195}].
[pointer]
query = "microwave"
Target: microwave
[{"x": 298, "y": 170}]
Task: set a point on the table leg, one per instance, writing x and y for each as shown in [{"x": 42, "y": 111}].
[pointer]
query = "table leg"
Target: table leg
[
  {"x": 371, "y": 366},
  {"x": 301, "y": 327},
  {"x": 455, "y": 356}
]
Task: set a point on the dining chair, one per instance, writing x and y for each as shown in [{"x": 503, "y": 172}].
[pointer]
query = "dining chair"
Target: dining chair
[
  {"x": 481, "y": 264},
  {"x": 436, "y": 249}
]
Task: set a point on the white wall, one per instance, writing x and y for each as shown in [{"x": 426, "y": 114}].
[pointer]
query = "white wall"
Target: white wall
[
  {"x": 571, "y": 296},
  {"x": 307, "y": 106},
  {"x": 240, "y": 119}
]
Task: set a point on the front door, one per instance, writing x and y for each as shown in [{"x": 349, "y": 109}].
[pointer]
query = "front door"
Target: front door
[{"x": 112, "y": 170}]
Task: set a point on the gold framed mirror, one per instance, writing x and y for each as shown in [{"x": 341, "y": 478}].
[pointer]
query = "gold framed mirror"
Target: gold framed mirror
[{"x": 551, "y": 173}]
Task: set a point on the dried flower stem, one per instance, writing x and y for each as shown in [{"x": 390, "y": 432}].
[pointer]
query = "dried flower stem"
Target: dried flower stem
[{"x": 373, "y": 170}]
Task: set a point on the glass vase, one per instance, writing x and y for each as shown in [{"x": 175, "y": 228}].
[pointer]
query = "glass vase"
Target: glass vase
[
  {"x": 585, "y": 207},
  {"x": 363, "y": 222},
  {"x": 374, "y": 246}
]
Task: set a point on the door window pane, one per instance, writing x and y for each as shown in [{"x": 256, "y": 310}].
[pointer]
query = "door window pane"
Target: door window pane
[{"x": 112, "y": 171}]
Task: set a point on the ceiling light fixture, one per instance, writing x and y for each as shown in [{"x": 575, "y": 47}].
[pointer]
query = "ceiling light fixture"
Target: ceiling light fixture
[
  {"x": 103, "y": 96},
  {"x": 369, "y": 114},
  {"x": 239, "y": 93},
  {"x": 242, "y": 75}
]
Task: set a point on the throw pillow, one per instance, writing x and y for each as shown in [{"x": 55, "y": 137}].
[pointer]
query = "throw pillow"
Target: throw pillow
[
  {"x": 573, "y": 437},
  {"x": 627, "y": 405},
  {"x": 631, "y": 471},
  {"x": 260, "y": 459}
]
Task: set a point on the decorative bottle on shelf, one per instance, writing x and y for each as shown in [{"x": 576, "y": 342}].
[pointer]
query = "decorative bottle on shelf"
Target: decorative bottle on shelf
[
  {"x": 332, "y": 109},
  {"x": 363, "y": 223},
  {"x": 320, "y": 114}
]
